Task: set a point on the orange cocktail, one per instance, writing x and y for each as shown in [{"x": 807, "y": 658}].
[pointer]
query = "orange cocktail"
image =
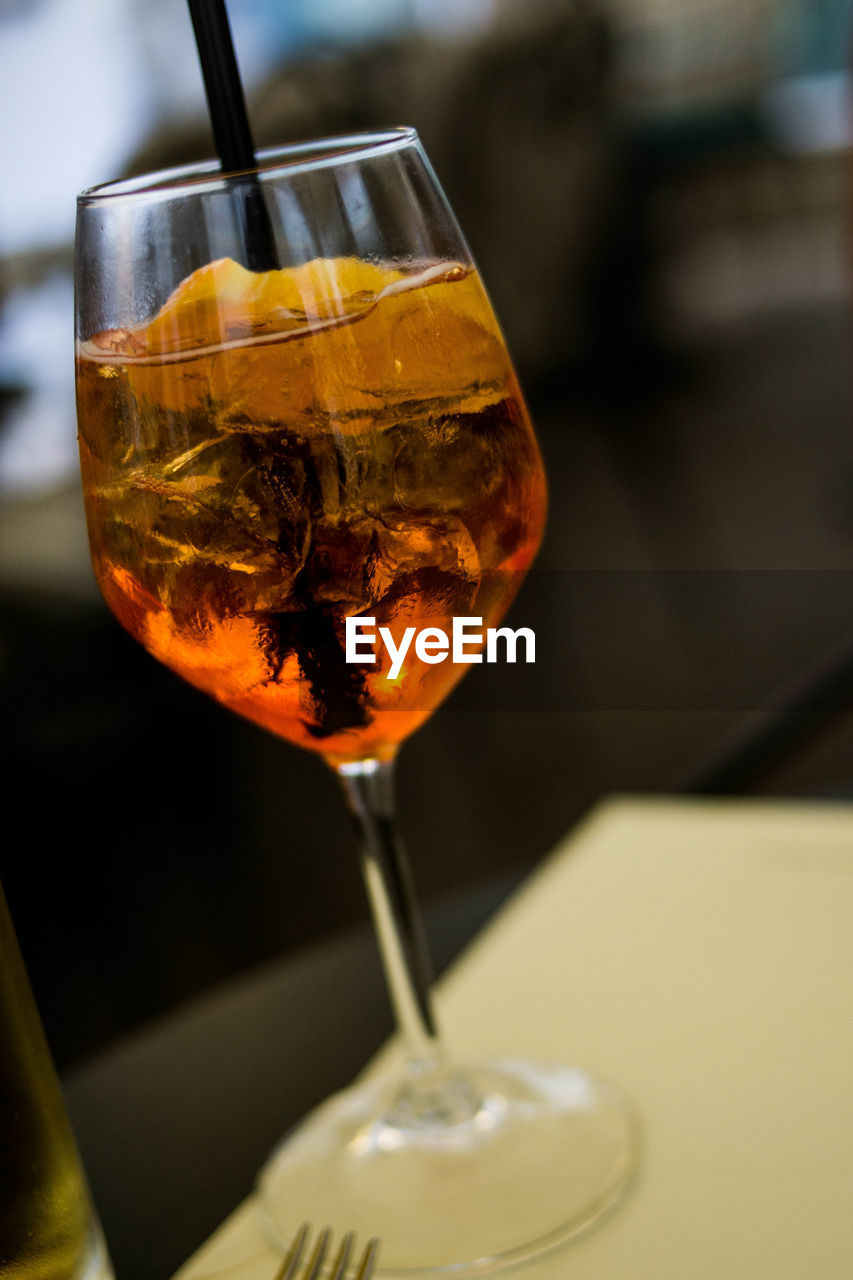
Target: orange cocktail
[{"x": 273, "y": 453}]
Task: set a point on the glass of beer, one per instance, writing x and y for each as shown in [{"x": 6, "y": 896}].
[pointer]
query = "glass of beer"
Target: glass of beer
[
  {"x": 48, "y": 1228},
  {"x": 300, "y": 428}
]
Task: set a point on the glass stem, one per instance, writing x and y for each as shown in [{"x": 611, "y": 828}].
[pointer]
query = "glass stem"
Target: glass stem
[{"x": 369, "y": 789}]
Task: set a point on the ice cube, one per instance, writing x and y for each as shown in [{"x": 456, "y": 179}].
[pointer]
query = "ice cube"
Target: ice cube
[
  {"x": 194, "y": 551},
  {"x": 475, "y": 465},
  {"x": 423, "y": 552}
]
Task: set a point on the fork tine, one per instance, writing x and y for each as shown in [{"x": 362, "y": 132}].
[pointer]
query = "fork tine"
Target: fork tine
[
  {"x": 293, "y": 1257},
  {"x": 368, "y": 1260},
  {"x": 318, "y": 1256},
  {"x": 341, "y": 1263},
  {"x": 293, "y": 1268}
]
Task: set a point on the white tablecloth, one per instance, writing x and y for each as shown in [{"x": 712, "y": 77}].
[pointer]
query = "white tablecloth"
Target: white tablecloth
[{"x": 699, "y": 954}]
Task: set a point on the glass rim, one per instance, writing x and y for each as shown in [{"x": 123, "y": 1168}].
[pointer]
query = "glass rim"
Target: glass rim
[{"x": 290, "y": 158}]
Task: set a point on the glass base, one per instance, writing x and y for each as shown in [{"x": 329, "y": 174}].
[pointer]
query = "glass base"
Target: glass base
[{"x": 470, "y": 1169}]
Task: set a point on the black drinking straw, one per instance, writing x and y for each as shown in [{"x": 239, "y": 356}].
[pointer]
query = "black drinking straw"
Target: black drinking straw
[
  {"x": 230, "y": 122},
  {"x": 337, "y": 689}
]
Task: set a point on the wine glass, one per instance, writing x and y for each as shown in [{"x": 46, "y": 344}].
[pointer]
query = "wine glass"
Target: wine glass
[{"x": 296, "y": 409}]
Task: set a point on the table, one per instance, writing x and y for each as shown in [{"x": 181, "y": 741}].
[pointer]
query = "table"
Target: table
[{"x": 700, "y": 954}]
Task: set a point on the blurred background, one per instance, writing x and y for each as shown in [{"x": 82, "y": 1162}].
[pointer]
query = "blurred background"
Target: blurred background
[{"x": 657, "y": 193}]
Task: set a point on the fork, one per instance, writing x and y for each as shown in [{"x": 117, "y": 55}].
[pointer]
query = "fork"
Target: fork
[{"x": 291, "y": 1270}]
